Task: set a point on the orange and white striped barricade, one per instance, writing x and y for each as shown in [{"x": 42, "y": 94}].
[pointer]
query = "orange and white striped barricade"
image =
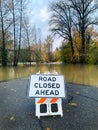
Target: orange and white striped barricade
[{"x": 48, "y": 106}]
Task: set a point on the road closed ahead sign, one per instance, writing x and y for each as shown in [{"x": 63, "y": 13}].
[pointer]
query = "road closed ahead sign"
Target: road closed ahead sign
[{"x": 47, "y": 86}]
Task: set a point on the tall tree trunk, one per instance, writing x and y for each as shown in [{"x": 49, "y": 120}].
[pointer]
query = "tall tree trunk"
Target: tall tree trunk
[
  {"x": 82, "y": 55},
  {"x": 72, "y": 47},
  {"x": 20, "y": 31},
  {"x": 14, "y": 27},
  {"x": 4, "y": 51},
  {"x": 72, "y": 51},
  {"x": 28, "y": 45}
]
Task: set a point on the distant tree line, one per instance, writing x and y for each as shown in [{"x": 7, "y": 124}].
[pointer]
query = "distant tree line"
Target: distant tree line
[{"x": 35, "y": 52}]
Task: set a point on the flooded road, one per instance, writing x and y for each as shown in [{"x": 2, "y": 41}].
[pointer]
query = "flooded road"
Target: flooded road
[{"x": 81, "y": 74}]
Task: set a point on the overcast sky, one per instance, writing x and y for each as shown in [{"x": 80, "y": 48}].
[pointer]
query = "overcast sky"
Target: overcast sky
[{"x": 39, "y": 16}]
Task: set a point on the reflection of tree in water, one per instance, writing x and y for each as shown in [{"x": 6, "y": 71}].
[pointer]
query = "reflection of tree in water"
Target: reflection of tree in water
[{"x": 21, "y": 72}]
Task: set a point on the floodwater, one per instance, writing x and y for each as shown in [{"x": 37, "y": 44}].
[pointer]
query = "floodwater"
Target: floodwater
[{"x": 81, "y": 74}]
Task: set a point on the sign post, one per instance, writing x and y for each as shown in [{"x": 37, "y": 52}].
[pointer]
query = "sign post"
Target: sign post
[{"x": 47, "y": 90}]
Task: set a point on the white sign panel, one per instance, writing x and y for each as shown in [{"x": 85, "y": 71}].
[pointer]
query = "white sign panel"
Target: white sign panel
[{"x": 47, "y": 86}]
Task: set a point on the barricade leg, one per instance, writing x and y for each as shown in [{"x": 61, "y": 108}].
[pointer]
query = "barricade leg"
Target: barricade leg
[
  {"x": 48, "y": 109},
  {"x": 56, "y": 108}
]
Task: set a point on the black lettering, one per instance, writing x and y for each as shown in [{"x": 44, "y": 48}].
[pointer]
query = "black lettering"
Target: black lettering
[
  {"x": 45, "y": 78},
  {"x": 47, "y": 92},
  {"x": 40, "y": 85},
  {"x": 56, "y": 92},
  {"x": 51, "y": 93},
  {"x": 45, "y": 85},
  {"x": 57, "y": 85},
  {"x": 53, "y": 85},
  {"x": 54, "y": 79},
  {"x": 37, "y": 92},
  {"x": 36, "y": 85},
  {"x": 49, "y": 79},
  {"x": 40, "y": 79},
  {"x": 49, "y": 85},
  {"x": 42, "y": 92}
]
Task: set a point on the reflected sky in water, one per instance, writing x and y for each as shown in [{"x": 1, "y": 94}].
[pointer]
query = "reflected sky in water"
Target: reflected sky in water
[{"x": 81, "y": 74}]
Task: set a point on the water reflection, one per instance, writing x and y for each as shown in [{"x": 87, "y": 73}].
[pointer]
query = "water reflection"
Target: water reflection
[{"x": 82, "y": 74}]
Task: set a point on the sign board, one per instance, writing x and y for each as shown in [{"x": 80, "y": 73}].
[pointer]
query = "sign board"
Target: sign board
[{"x": 43, "y": 85}]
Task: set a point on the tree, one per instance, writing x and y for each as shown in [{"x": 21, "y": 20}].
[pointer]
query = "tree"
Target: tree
[
  {"x": 78, "y": 14},
  {"x": 20, "y": 29},
  {"x": 56, "y": 55},
  {"x": 16, "y": 15},
  {"x": 65, "y": 52},
  {"x": 27, "y": 38},
  {"x": 61, "y": 22},
  {"x": 83, "y": 11},
  {"x": 48, "y": 47},
  {"x": 4, "y": 51},
  {"x": 14, "y": 32}
]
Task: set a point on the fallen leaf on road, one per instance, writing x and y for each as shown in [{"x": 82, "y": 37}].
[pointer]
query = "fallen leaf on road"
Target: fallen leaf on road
[
  {"x": 48, "y": 129},
  {"x": 67, "y": 110},
  {"x": 12, "y": 118},
  {"x": 73, "y": 104},
  {"x": 77, "y": 93},
  {"x": 13, "y": 90},
  {"x": 54, "y": 116}
]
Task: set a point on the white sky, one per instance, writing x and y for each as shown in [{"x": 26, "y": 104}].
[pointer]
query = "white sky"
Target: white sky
[{"x": 39, "y": 16}]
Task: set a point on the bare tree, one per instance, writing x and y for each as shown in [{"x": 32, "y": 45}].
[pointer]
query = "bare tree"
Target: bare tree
[
  {"x": 5, "y": 24},
  {"x": 20, "y": 29},
  {"x": 83, "y": 12},
  {"x": 4, "y": 63},
  {"x": 78, "y": 14},
  {"x": 61, "y": 21},
  {"x": 16, "y": 9},
  {"x": 14, "y": 30}
]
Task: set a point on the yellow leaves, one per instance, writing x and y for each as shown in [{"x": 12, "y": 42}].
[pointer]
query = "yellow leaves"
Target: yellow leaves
[
  {"x": 77, "y": 39},
  {"x": 67, "y": 110},
  {"x": 12, "y": 118},
  {"x": 78, "y": 93},
  {"x": 73, "y": 104},
  {"x": 48, "y": 129},
  {"x": 13, "y": 90},
  {"x": 53, "y": 116}
]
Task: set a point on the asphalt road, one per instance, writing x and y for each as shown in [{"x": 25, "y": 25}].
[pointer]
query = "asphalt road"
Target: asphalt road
[{"x": 17, "y": 111}]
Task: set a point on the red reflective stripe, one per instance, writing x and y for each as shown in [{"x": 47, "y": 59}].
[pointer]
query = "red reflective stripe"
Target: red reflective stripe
[
  {"x": 41, "y": 100},
  {"x": 53, "y": 100}
]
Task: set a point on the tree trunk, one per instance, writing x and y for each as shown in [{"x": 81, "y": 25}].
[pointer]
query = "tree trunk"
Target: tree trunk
[
  {"x": 4, "y": 51},
  {"x": 20, "y": 31},
  {"x": 14, "y": 27},
  {"x": 72, "y": 49},
  {"x": 82, "y": 55}
]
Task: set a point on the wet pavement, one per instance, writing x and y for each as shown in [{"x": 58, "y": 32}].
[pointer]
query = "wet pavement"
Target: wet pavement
[{"x": 17, "y": 110}]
